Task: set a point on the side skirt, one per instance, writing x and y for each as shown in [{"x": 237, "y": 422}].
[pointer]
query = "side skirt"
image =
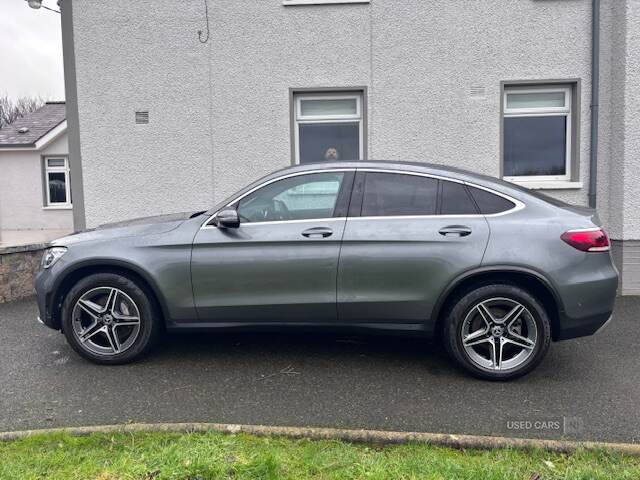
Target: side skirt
[{"x": 413, "y": 329}]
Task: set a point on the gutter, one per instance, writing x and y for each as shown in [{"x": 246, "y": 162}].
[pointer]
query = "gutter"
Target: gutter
[
  {"x": 18, "y": 145},
  {"x": 595, "y": 100}
]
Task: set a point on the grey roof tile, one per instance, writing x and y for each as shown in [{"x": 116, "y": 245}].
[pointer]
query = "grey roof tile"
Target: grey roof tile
[{"x": 39, "y": 123}]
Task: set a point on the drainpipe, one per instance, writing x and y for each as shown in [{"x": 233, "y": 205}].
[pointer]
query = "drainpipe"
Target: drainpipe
[{"x": 595, "y": 99}]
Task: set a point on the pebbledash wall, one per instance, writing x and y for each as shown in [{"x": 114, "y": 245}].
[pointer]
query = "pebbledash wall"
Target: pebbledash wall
[
  {"x": 22, "y": 193},
  {"x": 432, "y": 73}
]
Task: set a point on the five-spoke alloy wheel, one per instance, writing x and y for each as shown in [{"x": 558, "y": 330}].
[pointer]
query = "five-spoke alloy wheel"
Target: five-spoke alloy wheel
[
  {"x": 498, "y": 332},
  {"x": 109, "y": 318},
  {"x": 106, "y": 320}
]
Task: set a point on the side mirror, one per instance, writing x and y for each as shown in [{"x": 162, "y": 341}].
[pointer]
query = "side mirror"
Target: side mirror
[{"x": 227, "y": 218}]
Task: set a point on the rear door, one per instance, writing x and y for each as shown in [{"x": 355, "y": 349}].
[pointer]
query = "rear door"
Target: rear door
[{"x": 407, "y": 236}]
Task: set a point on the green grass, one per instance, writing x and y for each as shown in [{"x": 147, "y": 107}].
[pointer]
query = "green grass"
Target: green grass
[{"x": 214, "y": 455}]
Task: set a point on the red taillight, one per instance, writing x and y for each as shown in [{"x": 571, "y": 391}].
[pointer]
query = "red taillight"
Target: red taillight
[{"x": 588, "y": 240}]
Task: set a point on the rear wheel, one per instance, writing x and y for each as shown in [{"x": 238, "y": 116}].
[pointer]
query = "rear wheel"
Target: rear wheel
[
  {"x": 109, "y": 319},
  {"x": 498, "y": 332}
]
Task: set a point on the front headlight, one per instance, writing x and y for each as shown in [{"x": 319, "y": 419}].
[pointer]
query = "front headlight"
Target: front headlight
[{"x": 51, "y": 256}]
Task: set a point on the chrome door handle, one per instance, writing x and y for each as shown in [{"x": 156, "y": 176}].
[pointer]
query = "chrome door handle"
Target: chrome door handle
[
  {"x": 455, "y": 231},
  {"x": 317, "y": 232}
]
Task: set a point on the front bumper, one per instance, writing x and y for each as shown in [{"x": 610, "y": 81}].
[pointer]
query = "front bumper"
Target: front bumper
[{"x": 44, "y": 295}]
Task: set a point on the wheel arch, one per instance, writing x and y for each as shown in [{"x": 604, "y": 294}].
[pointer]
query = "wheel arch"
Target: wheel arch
[
  {"x": 73, "y": 274},
  {"x": 533, "y": 281}
]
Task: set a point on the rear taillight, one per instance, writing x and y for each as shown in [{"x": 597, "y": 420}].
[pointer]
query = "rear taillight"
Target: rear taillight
[{"x": 587, "y": 240}]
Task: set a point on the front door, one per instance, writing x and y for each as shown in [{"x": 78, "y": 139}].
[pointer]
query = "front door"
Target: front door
[
  {"x": 281, "y": 264},
  {"x": 406, "y": 238}
]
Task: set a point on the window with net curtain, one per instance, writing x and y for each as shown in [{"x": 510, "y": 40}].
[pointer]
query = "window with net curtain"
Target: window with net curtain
[
  {"x": 328, "y": 127},
  {"x": 537, "y": 133}
]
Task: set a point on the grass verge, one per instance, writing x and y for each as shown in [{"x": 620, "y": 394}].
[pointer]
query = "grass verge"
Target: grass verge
[{"x": 162, "y": 455}]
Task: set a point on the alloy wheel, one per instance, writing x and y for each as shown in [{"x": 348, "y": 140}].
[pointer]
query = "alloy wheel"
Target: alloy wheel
[
  {"x": 499, "y": 334},
  {"x": 106, "y": 321}
]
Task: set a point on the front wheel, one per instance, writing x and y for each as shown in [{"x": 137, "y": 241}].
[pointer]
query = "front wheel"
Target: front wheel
[
  {"x": 108, "y": 318},
  {"x": 498, "y": 332}
]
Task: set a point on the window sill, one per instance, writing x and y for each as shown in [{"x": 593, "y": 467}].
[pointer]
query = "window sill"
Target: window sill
[
  {"x": 61, "y": 207},
  {"x": 321, "y": 2},
  {"x": 547, "y": 184}
]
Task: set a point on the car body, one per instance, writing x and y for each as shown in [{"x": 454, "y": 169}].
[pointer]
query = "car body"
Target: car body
[{"x": 371, "y": 257}]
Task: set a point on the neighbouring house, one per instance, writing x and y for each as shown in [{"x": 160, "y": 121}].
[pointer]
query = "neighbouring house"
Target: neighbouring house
[
  {"x": 35, "y": 191},
  {"x": 164, "y": 119}
]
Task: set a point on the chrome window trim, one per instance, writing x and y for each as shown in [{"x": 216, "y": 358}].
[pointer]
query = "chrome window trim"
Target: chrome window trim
[
  {"x": 518, "y": 204},
  {"x": 277, "y": 222},
  {"x": 415, "y": 217}
]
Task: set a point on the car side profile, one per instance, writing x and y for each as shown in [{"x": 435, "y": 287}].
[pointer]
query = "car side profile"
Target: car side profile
[{"x": 492, "y": 270}]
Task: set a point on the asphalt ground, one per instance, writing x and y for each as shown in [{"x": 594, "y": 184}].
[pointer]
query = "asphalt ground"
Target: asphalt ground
[{"x": 585, "y": 389}]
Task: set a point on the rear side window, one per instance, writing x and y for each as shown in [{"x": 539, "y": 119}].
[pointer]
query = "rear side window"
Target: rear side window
[
  {"x": 455, "y": 200},
  {"x": 391, "y": 194},
  {"x": 489, "y": 203}
]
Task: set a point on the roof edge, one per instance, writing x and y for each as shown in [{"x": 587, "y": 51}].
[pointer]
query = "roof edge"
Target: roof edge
[
  {"x": 53, "y": 133},
  {"x": 25, "y": 146}
]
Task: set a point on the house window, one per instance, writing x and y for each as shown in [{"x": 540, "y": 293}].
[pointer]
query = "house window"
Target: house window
[
  {"x": 537, "y": 133},
  {"x": 58, "y": 188},
  {"x": 328, "y": 127}
]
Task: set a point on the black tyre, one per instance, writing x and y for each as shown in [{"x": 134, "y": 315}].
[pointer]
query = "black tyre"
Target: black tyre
[
  {"x": 497, "y": 332},
  {"x": 109, "y": 319}
]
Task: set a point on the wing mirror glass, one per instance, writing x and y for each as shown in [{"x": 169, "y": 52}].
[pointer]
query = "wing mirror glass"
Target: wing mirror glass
[{"x": 227, "y": 218}]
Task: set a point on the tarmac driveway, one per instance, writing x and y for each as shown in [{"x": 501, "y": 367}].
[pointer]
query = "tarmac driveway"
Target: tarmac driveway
[{"x": 586, "y": 389}]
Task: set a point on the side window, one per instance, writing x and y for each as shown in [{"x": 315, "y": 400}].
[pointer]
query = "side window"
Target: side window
[
  {"x": 392, "y": 194},
  {"x": 455, "y": 200},
  {"x": 295, "y": 198},
  {"x": 489, "y": 203}
]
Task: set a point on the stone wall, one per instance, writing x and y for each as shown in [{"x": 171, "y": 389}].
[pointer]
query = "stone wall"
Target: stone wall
[{"x": 18, "y": 266}]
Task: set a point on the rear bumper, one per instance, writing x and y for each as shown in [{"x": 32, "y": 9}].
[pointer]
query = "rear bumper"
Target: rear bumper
[
  {"x": 588, "y": 293},
  {"x": 581, "y": 327}
]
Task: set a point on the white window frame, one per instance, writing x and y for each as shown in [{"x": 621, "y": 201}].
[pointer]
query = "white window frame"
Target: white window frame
[
  {"x": 300, "y": 119},
  {"x": 565, "y": 111},
  {"x": 64, "y": 169}
]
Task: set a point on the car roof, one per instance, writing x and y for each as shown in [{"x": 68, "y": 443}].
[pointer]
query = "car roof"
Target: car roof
[
  {"x": 417, "y": 167},
  {"x": 390, "y": 164}
]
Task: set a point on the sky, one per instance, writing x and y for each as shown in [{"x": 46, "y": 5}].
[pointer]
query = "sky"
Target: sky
[{"x": 30, "y": 51}]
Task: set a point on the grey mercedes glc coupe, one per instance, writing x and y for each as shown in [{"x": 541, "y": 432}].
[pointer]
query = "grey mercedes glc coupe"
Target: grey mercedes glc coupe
[{"x": 492, "y": 270}]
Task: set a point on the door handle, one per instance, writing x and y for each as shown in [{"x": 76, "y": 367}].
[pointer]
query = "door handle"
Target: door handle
[
  {"x": 455, "y": 231},
  {"x": 317, "y": 232}
]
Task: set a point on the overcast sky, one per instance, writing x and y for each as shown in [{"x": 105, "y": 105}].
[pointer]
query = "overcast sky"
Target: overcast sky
[{"x": 30, "y": 50}]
